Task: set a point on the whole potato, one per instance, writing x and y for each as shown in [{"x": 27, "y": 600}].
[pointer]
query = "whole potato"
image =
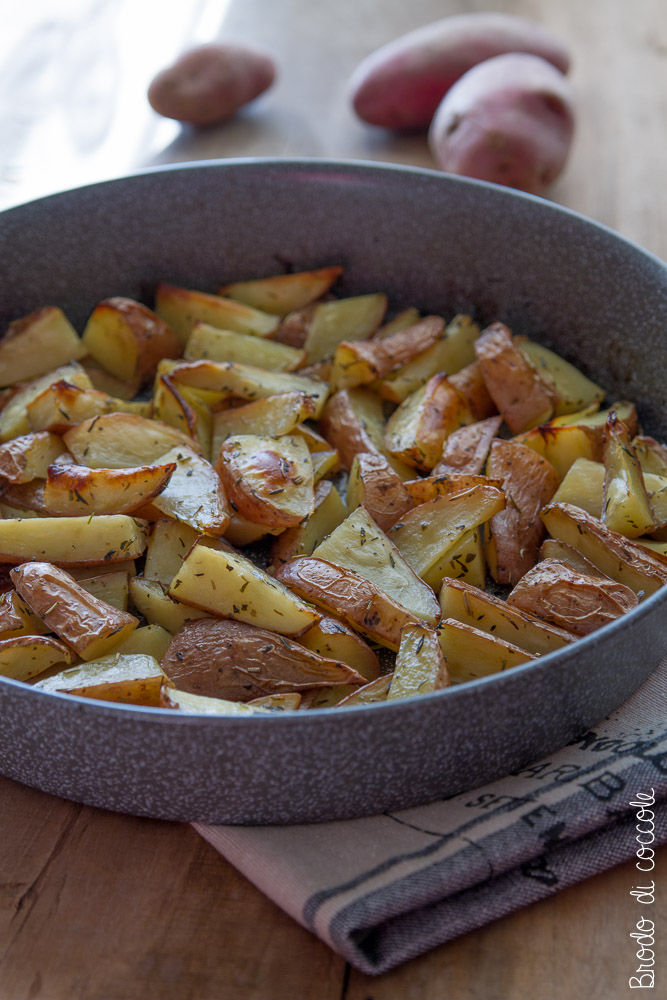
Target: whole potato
[
  {"x": 508, "y": 120},
  {"x": 207, "y": 84},
  {"x": 400, "y": 85}
]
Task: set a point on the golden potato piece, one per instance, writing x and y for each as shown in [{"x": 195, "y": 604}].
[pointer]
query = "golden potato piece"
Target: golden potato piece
[
  {"x": 420, "y": 666},
  {"x": 123, "y": 441},
  {"x": 466, "y": 449},
  {"x": 209, "y": 343},
  {"x": 128, "y": 339},
  {"x": 353, "y": 422},
  {"x": 63, "y": 404},
  {"x": 471, "y": 653},
  {"x": 335, "y": 641},
  {"x": 153, "y": 602},
  {"x": 180, "y": 407},
  {"x": 374, "y": 485},
  {"x": 369, "y": 694},
  {"x": 417, "y": 429},
  {"x": 133, "y": 679},
  {"x": 35, "y": 344},
  {"x": 570, "y": 599},
  {"x": 329, "y": 511},
  {"x": 349, "y": 596},
  {"x": 450, "y": 354},
  {"x": 469, "y": 383},
  {"x": 355, "y": 318},
  {"x": 515, "y": 533},
  {"x": 523, "y": 398},
  {"x": 238, "y": 662},
  {"x": 618, "y": 557},
  {"x": 72, "y": 490},
  {"x": 14, "y": 415},
  {"x": 652, "y": 454},
  {"x": 90, "y": 626},
  {"x": 272, "y": 416},
  {"x": 360, "y": 362},
  {"x": 200, "y": 704},
  {"x": 625, "y": 503},
  {"x": 16, "y": 618},
  {"x": 268, "y": 480},
  {"x": 112, "y": 588},
  {"x": 229, "y": 585},
  {"x": 281, "y": 294},
  {"x": 571, "y": 390},
  {"x": 26, "y": 656},
  {"x": 182, "y": 308},
  {"x": 75, "y": 541},
  {"x": 194, "y": 493},
  {"x": 359, "y": 545},
  {"x": 472, "y": 606}
]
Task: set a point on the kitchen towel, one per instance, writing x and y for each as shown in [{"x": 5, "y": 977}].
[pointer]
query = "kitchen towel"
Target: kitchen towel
[{"x": 386, "y": 888}]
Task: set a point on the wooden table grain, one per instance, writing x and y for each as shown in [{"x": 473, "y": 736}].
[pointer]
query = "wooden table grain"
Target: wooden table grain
[{"x": 99, "y": 906}]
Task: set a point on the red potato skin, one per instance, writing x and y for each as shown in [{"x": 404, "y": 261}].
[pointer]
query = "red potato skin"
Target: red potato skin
[
  {"x": 509, "y": 120},
  {"x": 208, "y": 84},
  {"x": 401, "y": 84}
]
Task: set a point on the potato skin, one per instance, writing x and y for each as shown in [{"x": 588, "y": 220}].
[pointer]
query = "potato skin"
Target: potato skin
[
  {"x": 509, "y": 120},
  {"x": 208, "y": 84},
  {"x": 400, "y": 85}
]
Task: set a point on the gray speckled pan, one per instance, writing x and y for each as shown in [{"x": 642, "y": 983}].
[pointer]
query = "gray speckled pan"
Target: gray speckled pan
[{"x": 444, "y": 244}]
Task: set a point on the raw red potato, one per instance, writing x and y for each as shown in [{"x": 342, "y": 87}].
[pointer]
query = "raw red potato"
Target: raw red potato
[
  {"x": 400, "y": 85},
  {"x": 208, "y": 84},
  {"x": 509, "y": 120}
]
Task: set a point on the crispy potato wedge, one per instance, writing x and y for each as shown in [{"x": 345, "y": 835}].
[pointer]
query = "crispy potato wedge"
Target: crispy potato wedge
[
  {"x": 482, "y": 611},
  {"x": 418, "y": 428},
  {"x": 469, "y": 383},
  {"x": 370, "y": 693},
  {"x": 401, "y": 321},
  {"x": 76, "y": 541},
  {"x": 168, "y": 544},
  {"x": 471, "y": 653},
  {"x": 592, "y": 416},
  {"x": 618, "y": 557},
  {"x": 420, "y": 666},
  {"x": 128, "y": 339},
  {"x": 180, "y": 407},
  {"x": 625, "y": 503},
  {"x": 199, "y": 704},
  {"x": 569, "y": 599},
  {"x": 28, "y": 457},
  {"x": 14, "y": 415},
  {"x": 153, "y": 602},
  {"x": 353, "y": 422},
  {"x": 182, "y": 308},
  {"x": 106, "y": 382},
  {"x": 515, "y": 533},
  {"x": 272, "y": 416},
  {"x": 209, "y": 343},
  {"x": 374, "y": 485},
  {"x": 268, "y": 480},
  {"x": 325, "y": 463},
  {"x": 571, "y": 390},
  {"x": 90, "y": 626},
  {"x": 329, "y": 511},
  {"x": 355, "y": 318},
  {"x": 63, "y": 404},
  {"x": 446, "y": 485},
  {"x": 228, "y": 584},
  {"x": 71, "y": 490},
  {"x": 349, "y": 596},
  {"x": 36, "y": 344},
  {"x": 16, "y": 618},
  {"x": 450, "y": 354},
  {"x": 249, "y": 382},
  {"x": 281, "y": 294},
  {"x": 359, "y": 545},
  {"x": 194, "y": 494},
  {"x": 426, "y": 535},
  {"x": 652, "y": 454},
  {"x": 553, "y": 549},
  {"x": 582, "y": 486},
  {"x": 239, "y": 662},
  {"x": 112, "y": 588},
  {"x": 133, "y": 679},
  {"x": 122, "y": 441},
  {"x": 465, "y": 560},
  {"x": 523, "y": 398},
  {"x": 361, "y": 362},
  {"x": 335, "y": 641},
  {"x": 148, "y": 640},
  {"x": 25, "y": 656},
  {"x": 466, "y": 449},
  {"x": 564, "y": 444}
]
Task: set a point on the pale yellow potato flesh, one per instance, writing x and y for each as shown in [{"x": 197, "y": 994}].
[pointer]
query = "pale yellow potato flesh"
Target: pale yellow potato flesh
[
  {"x": 79, "y": 541},
  {"x": 450, "y": 354},
  {"x": 334, "y": 640},
  {"x": 572, "y": 391},
  {"x": 625, "y": 503},
  {"x": 128, "y": 339},
  {"x": 36, "y": 344},
  {"x": 134, "y": 679},
  {"x": 123, "y": 440},
  {"x": 63, "y": 405},
  {"x": 194, "y": 494},
  {"x": 153, "y": 602},
  {"x": 180, "y": 407},
  {"x": 301, "y": 540},
  {"x": 207, "y": 343},
  {"x": 420, "y": 665},
  {"x": 281, "y": 294},
  {"x": 370, "y": 693},
  {"x": 182, "y": 308},
  {"x": 14, "y": 415},
  {"x": 471, "y": 653},
  {"x": 355, "y": 318},
  {"x": 16, "y": 618},
  {"x": 28, "y": 457},
  {"x": 26, "y": 656}
]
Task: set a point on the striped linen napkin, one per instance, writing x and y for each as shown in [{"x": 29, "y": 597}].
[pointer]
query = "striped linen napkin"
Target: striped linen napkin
[{"x": 386, "y": 888}]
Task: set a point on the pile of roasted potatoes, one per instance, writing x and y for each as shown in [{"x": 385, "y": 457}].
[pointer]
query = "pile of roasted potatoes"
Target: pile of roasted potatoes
[{"x": 275, "y": 497}]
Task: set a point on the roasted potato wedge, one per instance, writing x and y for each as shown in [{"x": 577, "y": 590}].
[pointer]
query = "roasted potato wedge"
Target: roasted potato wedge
[
  {"x": 134, "y": 679},
  {"x": 472, "y": 606},
  {"x": 26, "y": 656},
  {"x": 469, "y": 383},
  {"x": 625, "y": 503},
  {"x": 571, "y": 390},
  {"x": 128, "y": 339},
  {"x": 239, "y": 662},
  {"x": 230, "y": 585},
  {"x": 122, "y": 441},
  {"x": 36, "y": 344},
  {"x": 353, "y": 422},
  {"x": 63, "y": 405},
  {"x": 199, "y": 704},
  {"x": 268, "y": 480},
  {"x": 16, "y": 618},
  {"x": 471, "y": 653},
  {"x": 153, "y": 602},
  {"x": 335, "y": 641},
  {"x": 569, "y": 599},
  {"x": 466, "y": 449},
  {"x": 182, "y": 308},
  {"x": 329, "y": 511},
  {"x": 515, "y": 533},
  {"x": 272, "y": 416},
  {"x": 420, "y": 666},
  {"x": 362, "y": 362},
  {"x": 14, "y": 414},
  {"x": 209, "y": 343},
  {"x": 417, "y": 429},
  {"x": 194, "y": 494},
  {"x": 180, "y": 407},
  {"x": 76, "y": 541},
  {"x": 89, "y": 626},
  {"x": 374, "y": 485},
  {"x": 523, "y": 398},
  {"x": 355, "y": 318},
  {"x": 281, "y": 294},
  {"x": 72, "y": 490},
  {"x": 29, "y": 456}
]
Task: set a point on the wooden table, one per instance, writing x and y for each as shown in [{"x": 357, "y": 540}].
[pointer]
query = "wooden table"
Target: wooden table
[{"x": 98, "y": 906}]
